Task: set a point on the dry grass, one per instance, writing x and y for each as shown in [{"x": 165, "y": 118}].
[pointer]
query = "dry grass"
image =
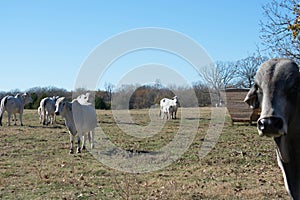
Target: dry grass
[{"x": 35, "y": 164}]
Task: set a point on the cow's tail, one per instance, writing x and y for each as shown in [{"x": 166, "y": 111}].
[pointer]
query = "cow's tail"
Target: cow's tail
[{"x": 2, "y": 108}]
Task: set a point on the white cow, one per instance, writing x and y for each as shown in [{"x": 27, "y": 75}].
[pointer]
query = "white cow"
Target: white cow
[
  {"x": 47, "y": 110},
  {"x": 14, "y": 105},
  {"x": 168, "y": 107},
  {"x": 79, "y": 119}
]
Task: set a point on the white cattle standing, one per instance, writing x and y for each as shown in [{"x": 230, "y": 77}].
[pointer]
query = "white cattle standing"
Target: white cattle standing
[
  {"x": 80, "y": 118},
  {"x": 14, "y": 105},
  {"x": 47, "y": 110},
  {"x": 168, "y": 107}
]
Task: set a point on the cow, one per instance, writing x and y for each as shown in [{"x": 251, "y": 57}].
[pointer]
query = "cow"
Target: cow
[
  {"x": 14, "y": 105},
  {"x": 168, "y": 107},
  {"x": 79, "y": 119},
  {"x": 47, "y": 109},
  {"x": 276, "y": 91}
]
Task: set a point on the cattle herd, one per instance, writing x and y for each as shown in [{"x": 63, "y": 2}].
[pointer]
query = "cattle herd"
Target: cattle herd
[
  {"x": 275, "y": 91},
  {"x": 80, "y": 115}
]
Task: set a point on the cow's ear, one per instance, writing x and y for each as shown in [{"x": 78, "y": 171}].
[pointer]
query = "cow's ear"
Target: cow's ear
[{"x": 251, "y": 98}]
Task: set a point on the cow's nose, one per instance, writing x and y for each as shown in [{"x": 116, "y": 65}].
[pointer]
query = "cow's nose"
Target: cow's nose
[
  {"x": 57, "y": 113},
  {"x": 270, "y": 125}
]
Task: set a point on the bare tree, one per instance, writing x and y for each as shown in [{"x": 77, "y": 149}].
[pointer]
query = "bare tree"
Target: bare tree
[
  {"x": 109, "y": 88},
  {"x": 202, "y": 93},
  {"x": 217, "y": 77},
  {"x": 220, "y": 75},
  {"x": 247, "y": 68},
  {"x": 227, "y": 71},
  {"x": 280, "y": 28}
]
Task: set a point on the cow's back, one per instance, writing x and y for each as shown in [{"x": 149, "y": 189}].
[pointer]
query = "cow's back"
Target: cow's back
[
  {"x": 164, "y": 102},
  {"x": 50, "y": 105},
  {"x": 13, "y": 105},
  {"x": 85, "y": 117}
]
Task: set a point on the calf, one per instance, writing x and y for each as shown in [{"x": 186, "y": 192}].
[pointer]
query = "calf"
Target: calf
[{"x": 168, "y": 107}]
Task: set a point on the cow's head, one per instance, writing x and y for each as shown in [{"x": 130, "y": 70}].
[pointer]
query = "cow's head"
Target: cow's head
[
  {"x": 61, "y": 106},
  {"x": 26, "y": 98},
  {"x": 175, "y": 99},
  {"x": 275, "y": 91}
]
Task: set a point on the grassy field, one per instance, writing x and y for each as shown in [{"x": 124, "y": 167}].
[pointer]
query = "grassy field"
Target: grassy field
[{"x": 35, "y": 163}]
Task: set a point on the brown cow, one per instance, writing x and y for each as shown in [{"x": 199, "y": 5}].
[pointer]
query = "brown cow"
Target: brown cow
[{"x": 276, "y": 91}]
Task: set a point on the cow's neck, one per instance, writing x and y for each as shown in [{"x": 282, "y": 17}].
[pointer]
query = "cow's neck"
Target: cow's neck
[
  {"x": 291, "y": 146},
  {"x": 70, "y": 122}
]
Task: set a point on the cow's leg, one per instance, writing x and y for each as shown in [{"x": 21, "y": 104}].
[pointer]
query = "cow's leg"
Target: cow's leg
[
  {"x": 21, "y": 122},
  {"x": 15, "y": 119},
  {"x": 40, "y": 118},
  {"x": 83, "y": 141},
  {"x": 8, "y": 118},
  {"x": 91, "y": 138},
  {"x": 47, "y": 118},
  {"x": 44, "y": 117},
  {"x": 79, "y": 135},
  {"x": 71, "y": 143}
]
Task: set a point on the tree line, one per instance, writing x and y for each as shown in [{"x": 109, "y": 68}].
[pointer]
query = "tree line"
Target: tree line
[{"x": 205, "y": 92}]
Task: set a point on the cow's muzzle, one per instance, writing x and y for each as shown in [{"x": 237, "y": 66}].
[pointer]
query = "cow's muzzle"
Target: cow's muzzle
[
  {"x": 271, "y": 126},
  {"x": 57, "y": 113}
]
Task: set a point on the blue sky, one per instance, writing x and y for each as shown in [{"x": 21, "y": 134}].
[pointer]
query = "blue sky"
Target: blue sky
[{"x": 44, "y": 43}]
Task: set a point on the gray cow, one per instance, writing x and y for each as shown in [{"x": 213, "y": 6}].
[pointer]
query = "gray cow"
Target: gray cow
[
  {"x": 276, "y": 91},
  {"x": 14, "y": 105}
]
